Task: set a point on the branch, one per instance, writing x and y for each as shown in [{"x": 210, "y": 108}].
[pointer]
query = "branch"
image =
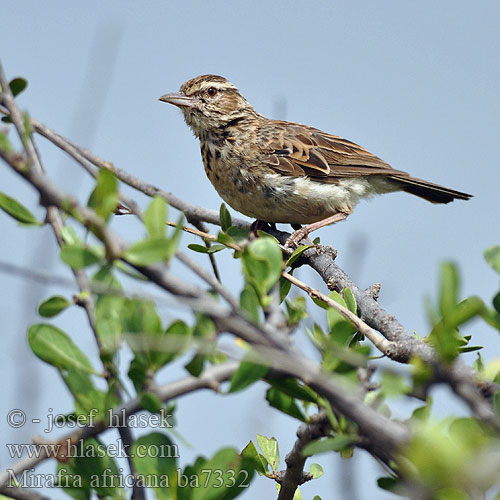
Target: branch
[{"x": 294, "y": 475}]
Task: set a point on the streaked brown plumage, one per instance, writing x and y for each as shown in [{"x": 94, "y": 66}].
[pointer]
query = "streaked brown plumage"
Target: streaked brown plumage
[{"x": 277, "y": 171}]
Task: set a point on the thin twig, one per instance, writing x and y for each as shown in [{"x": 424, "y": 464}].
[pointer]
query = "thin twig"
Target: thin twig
[
  {"x": 382, "y": 344},
  {"x": 213, "y": 282}
]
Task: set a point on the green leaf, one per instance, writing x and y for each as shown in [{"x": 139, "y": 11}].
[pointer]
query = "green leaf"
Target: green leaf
[
  {"x": 249, "y": 304},
  {"x": 5, "y": 144},
  {"x": 149, "y": 251},
  {"x": 175, "y": 238},
  {"x": 492, "y": 256},
  {"x": 222, "y": 477},
  {"x": 491, "y": 316},
  {"x": 341, "y": 330},
  {"x": 262, "y": 264},
  {"x": 496, "y": 302},
  {"x": 137, "y": 372},
  {"x": 297, "y": 253},
  {"x": 270, "y": 450},
  {"x": 155, "y": 217},
  {"x": 449, "y": 287},
  {"x": 53, "y": 306},
  {"x": 285, "y": 286},
  {"x": 216, "y": 248},
  {"x": 203, "y": 249},
  {"x": 18, "y": 211},
  {"x": 104, "y": 197},
  {"x": 422, "y": 413},
  {"x": 17, "y": 85},
  {"x": 350, "y": 300},
  {"x": 284, "y": 403},
  {"x": 333, "y": 316},
  {"x": 224, "y": 238},
  {"x": 225, "y": 218},
  {"x": 154, "y": 456},
  {"x": 70, "y": 482},
  {"x": 204, "y": 327},
  {"x": 295, "y": 389},
  {"x": 91, "y": 462},
  {"x": 296, "y": 310},
  {"x": 198, "y": 248},
  {"x": 445, "y": 337},
  {"x": 465, "y": 311},
  {"x": 151, "y": 402},
  {"x": 337, "y": 443},
  {"x": 70, "y": 236},
  {"x": 470, "y": 348},
  {"x": 246, "y": 375},
  {"x": 389, "y": 484},
  {"x": 451, "y": 494},
  {"x": 172, "y": 344},
  {"x": 106, "y": 281},
  {"x": 27, "y": 127},
  {"x": 87, "y": 396},
  {"x": 259, "y": 462},
  {"x": 195, "y": 366},
  {"x": 56, "y": 348},
  {"x": 144, "y": 332},
  {"x": 141, "y": 316},
  {"x": 78, "y": 257},
  {"x": 109, "y": 314},
  {"x": 469, "y": 432},
  {"x": 316, "y": 470},
  {"x": 237, "y": 234},
  {"x": 393, "y": 384}
]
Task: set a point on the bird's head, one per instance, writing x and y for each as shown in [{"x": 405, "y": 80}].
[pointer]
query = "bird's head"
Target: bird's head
[{"x": 209, "y": 102}]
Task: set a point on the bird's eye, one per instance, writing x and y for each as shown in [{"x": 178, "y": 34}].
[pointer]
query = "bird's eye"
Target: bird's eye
[{"x": 212, "y": 91}]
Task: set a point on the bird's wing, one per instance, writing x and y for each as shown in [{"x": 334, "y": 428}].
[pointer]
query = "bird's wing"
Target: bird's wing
[{"x": 299, "y": 150}]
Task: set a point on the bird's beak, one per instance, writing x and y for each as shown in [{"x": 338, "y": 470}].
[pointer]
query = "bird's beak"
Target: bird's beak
[{"x": 179, "y": 99}]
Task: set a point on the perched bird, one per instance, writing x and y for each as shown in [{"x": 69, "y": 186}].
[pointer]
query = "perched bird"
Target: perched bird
[{"x": 278, "y": 171}]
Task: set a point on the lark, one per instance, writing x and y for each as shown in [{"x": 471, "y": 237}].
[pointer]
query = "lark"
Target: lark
[{"x": 283, "y": 172}]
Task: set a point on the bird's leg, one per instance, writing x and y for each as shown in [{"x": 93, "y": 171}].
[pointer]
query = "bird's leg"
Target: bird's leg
[
  {"x": 294, "y": 239},
  {"x": 260, "y": 225}
]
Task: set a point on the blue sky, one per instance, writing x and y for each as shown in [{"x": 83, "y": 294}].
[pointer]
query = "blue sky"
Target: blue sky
[{"x": 416, "y": 83}]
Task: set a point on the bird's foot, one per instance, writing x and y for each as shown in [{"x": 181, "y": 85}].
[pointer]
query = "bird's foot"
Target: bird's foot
[
  {"x": 293, "y": 241},
  {"x": 302, "y": 233}
]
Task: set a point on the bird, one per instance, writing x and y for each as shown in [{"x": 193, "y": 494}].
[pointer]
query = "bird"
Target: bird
[{"x": 276, "y": 171}]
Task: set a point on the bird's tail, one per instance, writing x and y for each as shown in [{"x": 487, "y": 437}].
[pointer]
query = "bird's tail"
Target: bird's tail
[{"x": 429, "y": 191}]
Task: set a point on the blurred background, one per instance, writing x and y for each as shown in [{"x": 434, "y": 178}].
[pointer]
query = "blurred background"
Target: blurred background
[{"x": 416, "y": 83}]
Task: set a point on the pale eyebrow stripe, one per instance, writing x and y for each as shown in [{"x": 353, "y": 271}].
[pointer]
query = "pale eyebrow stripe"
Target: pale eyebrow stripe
[{"x": 217, "y": 85}]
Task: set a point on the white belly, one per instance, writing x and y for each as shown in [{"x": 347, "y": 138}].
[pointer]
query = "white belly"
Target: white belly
[{"x": 299, "y": 200}]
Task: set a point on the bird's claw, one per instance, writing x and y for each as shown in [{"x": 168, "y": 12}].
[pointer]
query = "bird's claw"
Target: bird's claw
[{"x": 293, "y": 241}]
